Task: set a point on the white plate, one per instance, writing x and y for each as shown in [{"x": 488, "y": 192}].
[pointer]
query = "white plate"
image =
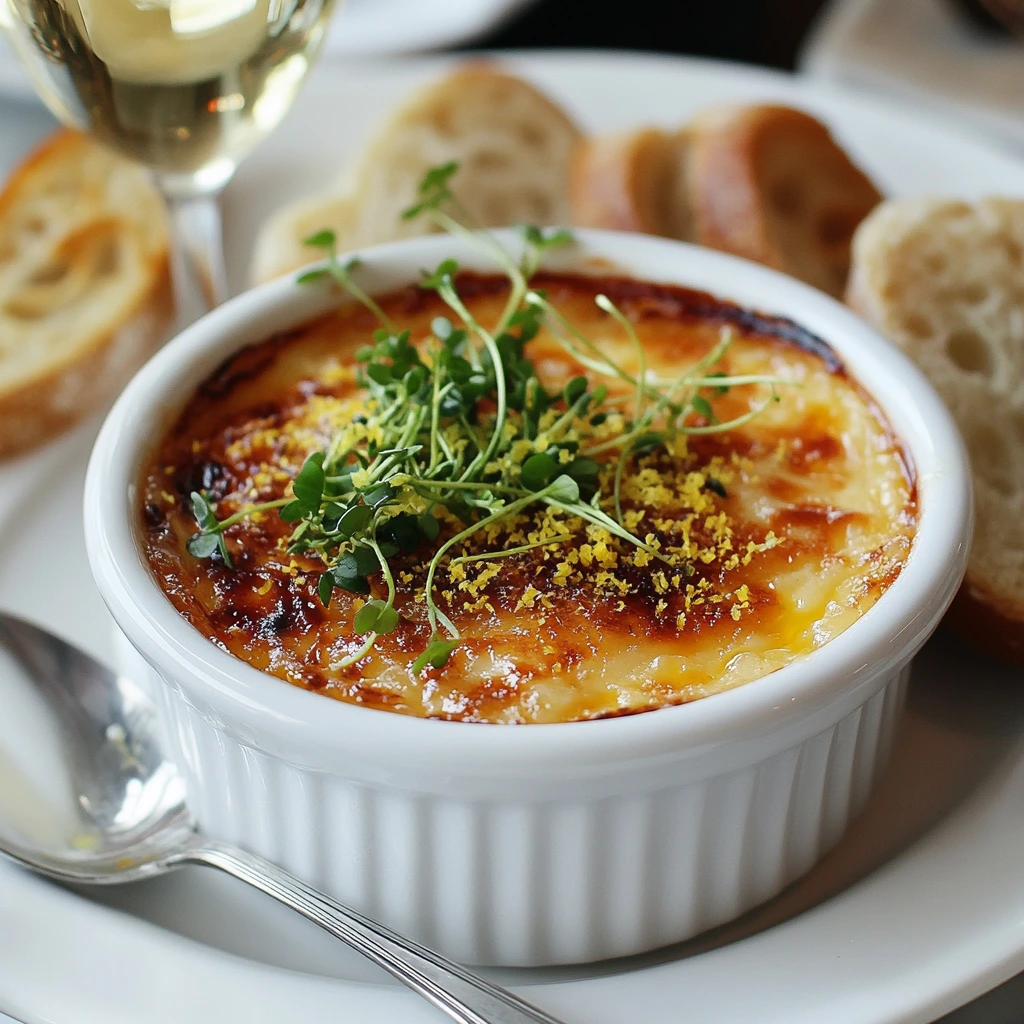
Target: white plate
[
  {"x": 365, "y": 28},
  {"x": 918, "y": 910}
]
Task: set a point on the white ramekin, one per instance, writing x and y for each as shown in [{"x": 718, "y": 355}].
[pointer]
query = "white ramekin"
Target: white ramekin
[{"x": 536, "y": 844}]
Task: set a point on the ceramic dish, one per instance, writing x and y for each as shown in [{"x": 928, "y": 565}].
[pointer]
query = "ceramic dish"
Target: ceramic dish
[{"x": 505, "y": 845}]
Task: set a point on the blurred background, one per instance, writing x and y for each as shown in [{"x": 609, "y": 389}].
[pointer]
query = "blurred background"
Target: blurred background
[
  {"x": 770, "y": 32},
  {"x": 756, "y": 31},
  {"x": 950, "y": 57}
]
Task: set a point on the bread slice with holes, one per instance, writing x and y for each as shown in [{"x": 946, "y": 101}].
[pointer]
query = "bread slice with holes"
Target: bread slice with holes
[
  {"x": 944, "y": 280},
  {"x": 512, "y": 144},
  {"x": 85, "y": 294},
  {"x": 765, "y": 182}
]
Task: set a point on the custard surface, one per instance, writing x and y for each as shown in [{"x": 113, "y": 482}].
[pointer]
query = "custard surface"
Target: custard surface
[{"x": 794, "y": 524}]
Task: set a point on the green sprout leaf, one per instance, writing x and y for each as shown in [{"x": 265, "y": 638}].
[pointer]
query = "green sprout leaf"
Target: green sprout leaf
[
  {"x": 325, "y": 239},
  {"x": 308, "y": 486},
  {"x": 354, "y": 519},
  {"x": 574, "y": 389},
  {"x": 202, "y": 511},
  {"x": 203, "y": 545},
  {"x": 702, "y": 407},
  {"x": 293, "y": 511},
  {"x": 360, "y": 561},
  {"x": 376, "y": 617},
  {"x": 366, "y": 618},
  {"x": 353, "y": 584},
  {"x": 325, "y": 588},
  {"x": 434, "y": 187},
  {"x": 211, "y": 535},
  {"x": 446, "y": 270},
  {"x": 222, "y": 546},
  {"x": 535, "y": 236},
  {"x": 720, "y": 389},
  {"x": 537, "y": 471},
  {"x": 564, "y": 490},
  {"x": 316, "y": 274},
  {"x": 648, "y": 441},
  {"x": 379, "y": 496},
  {"x": 438, "y": 178},
  {"x": 429, "y": 526},
  {"x": 437, "y": 653},
  {"x": 401, "y": 533},
  {"x": 583, "y": 469}
]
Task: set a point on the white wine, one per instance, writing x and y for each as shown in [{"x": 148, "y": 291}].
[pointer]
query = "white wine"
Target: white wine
[{"x": 187, "y": 87}]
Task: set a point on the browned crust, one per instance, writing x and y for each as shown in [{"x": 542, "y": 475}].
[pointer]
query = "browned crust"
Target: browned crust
[
  {"x": 623, "y": 181},
  {"x": 983, "y": 620},
  {"x": 269, "y": 615},
  {"x": 769, "y": 183},
  {"x": 64, "y": 394}
]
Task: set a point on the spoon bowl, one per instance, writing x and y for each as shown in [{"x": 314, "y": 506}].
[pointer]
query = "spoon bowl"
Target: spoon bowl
[
  {"x": 130, "y": 816},
  {"x": 130, "y": 820}
]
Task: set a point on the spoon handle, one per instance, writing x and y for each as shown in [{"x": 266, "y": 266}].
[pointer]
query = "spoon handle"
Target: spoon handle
[{"x": 463, "y": 996}]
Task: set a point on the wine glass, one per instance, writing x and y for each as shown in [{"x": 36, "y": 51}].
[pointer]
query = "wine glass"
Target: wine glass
[{"x": 185, "y": 87}]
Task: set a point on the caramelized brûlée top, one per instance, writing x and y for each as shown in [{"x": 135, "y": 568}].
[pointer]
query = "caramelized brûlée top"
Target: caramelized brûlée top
[{"x": 776, "y": 535}]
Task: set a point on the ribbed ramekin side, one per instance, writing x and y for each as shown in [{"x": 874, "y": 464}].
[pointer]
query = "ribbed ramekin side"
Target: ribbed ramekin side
[{"x": 541, "y": 881}]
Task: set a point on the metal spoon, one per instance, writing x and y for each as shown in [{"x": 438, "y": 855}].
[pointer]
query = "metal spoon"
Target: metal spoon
[{"x": 133, "y": 823}]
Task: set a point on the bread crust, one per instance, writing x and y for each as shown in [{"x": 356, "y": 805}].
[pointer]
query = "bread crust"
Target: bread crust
[
  {"x": 73, "y": 208},
  {"x": 769, "y": 183},
  {"x": 61, "y": 146},
  {"x": 483, "y": 79},
  {"x": 62, "y": 395},
  {"x": 622, "y": 181},
  {"x": 981, "y": 619}
]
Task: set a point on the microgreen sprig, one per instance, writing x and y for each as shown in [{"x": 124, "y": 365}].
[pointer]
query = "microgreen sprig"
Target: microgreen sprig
[{"x": 460, "y": 432}]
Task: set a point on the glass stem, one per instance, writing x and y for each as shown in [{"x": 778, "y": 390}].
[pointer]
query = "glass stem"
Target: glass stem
[{"x": 197, "y": 253}]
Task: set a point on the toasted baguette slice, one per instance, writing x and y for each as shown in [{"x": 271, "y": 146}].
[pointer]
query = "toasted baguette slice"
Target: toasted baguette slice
[
  {"x": 771, "y": 184},
  {"x": 85, "y": 294},
  {"x": 944, "y": 280},
  {"x": 768, "y": 183},
  {"x": 633, "y": 181},
  {"x": 512, "y": 144}
]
